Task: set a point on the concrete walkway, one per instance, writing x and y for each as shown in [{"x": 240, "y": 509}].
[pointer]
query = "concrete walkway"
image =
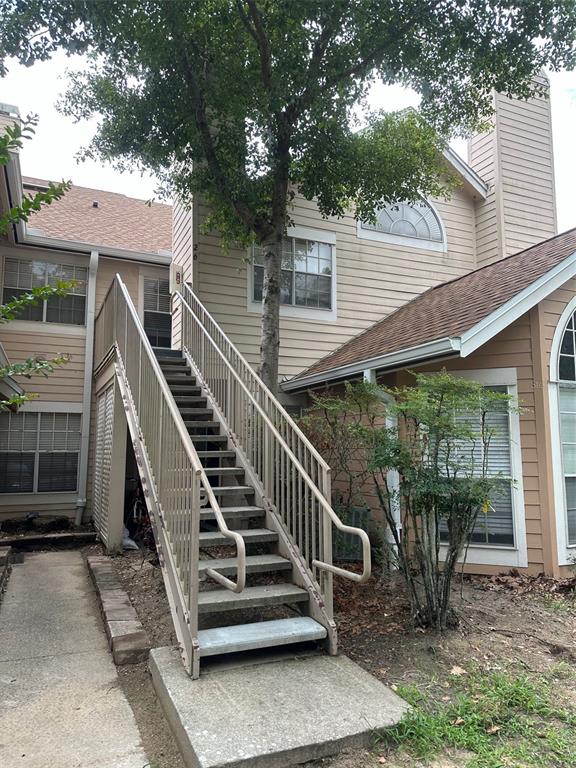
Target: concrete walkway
[{"x": 61, "y": 705}]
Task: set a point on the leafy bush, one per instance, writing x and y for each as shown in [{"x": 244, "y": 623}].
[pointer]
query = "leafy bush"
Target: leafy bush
[{"x": 438, "y": 449}]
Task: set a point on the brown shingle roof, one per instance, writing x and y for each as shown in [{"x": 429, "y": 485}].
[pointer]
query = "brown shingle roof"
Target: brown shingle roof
[
  {"x": 452, "y": 308},
  {"x": 117, "y": 222}
]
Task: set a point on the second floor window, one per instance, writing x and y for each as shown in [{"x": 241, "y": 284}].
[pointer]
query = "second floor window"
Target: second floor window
[
  {"x": 307, "y": 273},
  {"x": 157, "y": 317},
  {"x": 21, "y": 275}
]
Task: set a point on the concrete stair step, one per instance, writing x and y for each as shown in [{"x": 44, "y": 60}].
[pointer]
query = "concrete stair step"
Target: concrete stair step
[
  {"x": 250, "y": 536},
  {"x": 174, "y": 365},
  {"x": 190, "y": 400},
  {"x": 234, "y": 513},
  {"x": 184, "y": 377},
  {"x": 185, "y": 389},
  {"x": 216, "y": 454},
  {"x": 261, "y": 634},
  {"x": 163, "y": 353},
  {"x": 217, "y": 600},
  {"x": 225, "y": 471},
  {"x": 254, "y": 564},
  {"x": 187, "y": 412},
  {"x": 233, "y": 490},
  {"x": 195, "y": 424},
  {"x": 209, "y": 439}
]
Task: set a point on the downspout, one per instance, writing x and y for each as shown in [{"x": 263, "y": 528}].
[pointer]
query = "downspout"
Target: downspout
[{"x": 87, "y": 396}]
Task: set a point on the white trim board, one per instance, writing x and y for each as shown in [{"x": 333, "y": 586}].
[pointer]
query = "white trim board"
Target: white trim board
[
  {"x": 467, "y": 343},
  {"x": 566, "y": 552}
]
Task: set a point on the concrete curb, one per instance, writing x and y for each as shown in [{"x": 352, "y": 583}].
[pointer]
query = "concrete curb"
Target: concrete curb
[
  {"x": 127, "y": 637},
  {"x": 5, "y": 567}
]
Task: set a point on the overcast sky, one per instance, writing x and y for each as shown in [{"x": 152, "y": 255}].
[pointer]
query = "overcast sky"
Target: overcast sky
[{"x": 52, "y": 152}]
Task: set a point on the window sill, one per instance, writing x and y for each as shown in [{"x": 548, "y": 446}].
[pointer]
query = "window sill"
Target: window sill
[
  {"x": 44, "y": 497},
  {"x": 298, "y": 313},
  {"x": 54, "y": 329},
  {"x": 493, "y": 554}
]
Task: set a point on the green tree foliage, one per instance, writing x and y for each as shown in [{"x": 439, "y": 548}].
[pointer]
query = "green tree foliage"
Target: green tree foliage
[
  {"x": 245, "y": 101},
  {"x": 439, "y": 449},
  {"x": 11, "y": 141}
]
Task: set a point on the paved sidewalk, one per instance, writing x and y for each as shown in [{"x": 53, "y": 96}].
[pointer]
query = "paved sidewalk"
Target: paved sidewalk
[{"x": 61, "y": 705}]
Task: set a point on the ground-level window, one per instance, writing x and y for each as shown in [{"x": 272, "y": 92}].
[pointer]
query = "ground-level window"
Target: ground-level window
[
  {"x": 496, "y": 525},
  {"x": 157, "y": 316},
  {"x": 567, "y": 412},
  {"x": 39, "y": 452},
  {"x": 307, "y": 273},
  {"x": 21, "y": 275}
]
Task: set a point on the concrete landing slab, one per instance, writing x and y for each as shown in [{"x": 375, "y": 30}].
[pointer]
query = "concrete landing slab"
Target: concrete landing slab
[{"x": 271, "y": 715}]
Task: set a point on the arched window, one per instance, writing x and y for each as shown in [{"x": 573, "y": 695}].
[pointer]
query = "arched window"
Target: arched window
[
  {"x": 565, "y": 375},
  {"x": 416, "y": 222}
]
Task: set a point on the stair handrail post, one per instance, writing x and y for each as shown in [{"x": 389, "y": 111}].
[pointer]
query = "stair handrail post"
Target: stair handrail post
[
  {"x": 327, "y": 578},
  {"x": 275, "y": 418}
]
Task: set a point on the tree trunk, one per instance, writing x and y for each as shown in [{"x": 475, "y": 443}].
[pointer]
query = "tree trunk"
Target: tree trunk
[{"x": 270, "y": 339}]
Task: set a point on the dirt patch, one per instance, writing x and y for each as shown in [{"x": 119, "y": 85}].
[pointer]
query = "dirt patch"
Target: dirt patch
[{"x": 508, "y": 621}]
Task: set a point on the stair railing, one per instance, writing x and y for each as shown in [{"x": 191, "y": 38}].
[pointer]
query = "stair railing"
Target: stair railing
[
  {"x": 295, "y": 477},
  {"x": 180, "y": 486}
]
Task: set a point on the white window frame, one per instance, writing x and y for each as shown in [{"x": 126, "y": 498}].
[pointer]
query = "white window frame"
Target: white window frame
[
  {"x": 566, "y": 551},
  {"x": 47, "y": 497},
  {"x": 63, "y": 261},
  {"x": 495, "y": 554},
  {"x": 41, "y": 326},
  {"x": 151, "y": 274},
  {"x": 403, "y": 240},
  {"x": 289, "y": 310}
]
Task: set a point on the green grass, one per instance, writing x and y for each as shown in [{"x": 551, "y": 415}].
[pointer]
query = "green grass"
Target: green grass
[
  {"x": 497, "y": 719},
  {"x": 558, "y": 603}
]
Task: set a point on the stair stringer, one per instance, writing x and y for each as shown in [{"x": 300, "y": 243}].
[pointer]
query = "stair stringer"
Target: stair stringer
[
  {"x": 301, "y": 574},
  {"x": 185, "y": 622}
]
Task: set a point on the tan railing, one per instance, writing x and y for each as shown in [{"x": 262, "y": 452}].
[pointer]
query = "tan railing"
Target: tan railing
[
  {"x": 178, "y": 484},
  {"x": 294, "y": 476}
]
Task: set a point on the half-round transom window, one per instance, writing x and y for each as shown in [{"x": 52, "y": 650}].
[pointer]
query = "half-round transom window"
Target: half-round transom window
[
  {"x": 415, "y": 220},
  {"x": 567, "y": 360}
]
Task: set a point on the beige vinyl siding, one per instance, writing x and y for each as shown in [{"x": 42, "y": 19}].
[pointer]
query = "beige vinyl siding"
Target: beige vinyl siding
[
  {"x": 66, "y": 383},
  {"x": 107, "y": 270},
  {"x": 527, "y": 171},
  {"x": 372, "y": 279},
  {"x": 23, "y": 339},
  {"x": 42, "y": 506},
  {"x": 515, "y": 159}
]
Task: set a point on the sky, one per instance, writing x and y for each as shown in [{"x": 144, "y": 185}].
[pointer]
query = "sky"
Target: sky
[{"x": 51, "y": 154}]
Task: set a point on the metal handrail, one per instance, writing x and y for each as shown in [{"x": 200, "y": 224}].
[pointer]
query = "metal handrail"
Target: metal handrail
[
  {"x": 187, "y": 443},
  {"x": 232, "y": 362}
]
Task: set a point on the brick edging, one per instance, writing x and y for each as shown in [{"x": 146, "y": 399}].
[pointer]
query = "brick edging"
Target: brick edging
[{"x": 127, "y": 638}]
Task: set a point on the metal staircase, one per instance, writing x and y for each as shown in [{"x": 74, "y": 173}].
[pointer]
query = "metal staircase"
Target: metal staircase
[{"x": 238, "y": 497}]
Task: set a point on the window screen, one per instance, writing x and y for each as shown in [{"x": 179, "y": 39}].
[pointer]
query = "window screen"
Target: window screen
[
  {"x": 157, "y": 317},
  {"x": 39, "y": 452},
  {"x": 21, "y": 275}
]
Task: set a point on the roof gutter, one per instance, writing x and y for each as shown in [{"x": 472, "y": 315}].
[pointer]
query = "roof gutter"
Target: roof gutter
[{"x": 429, "y": 350}]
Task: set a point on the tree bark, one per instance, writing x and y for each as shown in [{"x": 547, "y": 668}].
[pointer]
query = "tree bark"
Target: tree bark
[{"x": 270, "y": 337}]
